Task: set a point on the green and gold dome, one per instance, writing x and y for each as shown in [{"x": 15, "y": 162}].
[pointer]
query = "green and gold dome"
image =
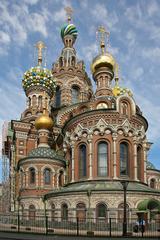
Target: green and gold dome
[
  {"x": 69, "y": 29},
  {"x": 38, "y": 77}
]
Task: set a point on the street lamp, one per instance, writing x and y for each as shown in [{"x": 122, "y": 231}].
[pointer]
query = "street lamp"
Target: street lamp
[{"x": 124, "y": 185}]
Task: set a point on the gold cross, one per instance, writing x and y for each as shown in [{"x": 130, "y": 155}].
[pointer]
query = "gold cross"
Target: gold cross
[
  {"x": 69, "y": 12},
  {"x": 40, "y": 45},
  {"x": 103, "y": 34}
]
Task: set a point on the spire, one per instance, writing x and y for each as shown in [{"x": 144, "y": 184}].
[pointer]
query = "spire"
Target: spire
[
  {"x": 69, "y": 12},
  {"x": 104, "y": 36},
  {"x": 40, "y": 46}
]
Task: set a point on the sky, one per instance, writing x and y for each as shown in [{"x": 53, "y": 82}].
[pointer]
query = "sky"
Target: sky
[{"x": 134, "y": 27}]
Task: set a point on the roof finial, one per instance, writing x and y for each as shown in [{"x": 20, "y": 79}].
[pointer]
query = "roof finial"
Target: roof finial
[
  {"x": 116, "y": 74},
  {"x": 69, "y": 12},
  {"x": 103, "y": 34},
  {"x": 40, "y": 45}
]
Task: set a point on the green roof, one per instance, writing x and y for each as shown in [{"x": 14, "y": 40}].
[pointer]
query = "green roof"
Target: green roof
[
  {"x": 101, "y": 185},
  {"x": 44, "y": 152},
  {"x": 148, "y": 204}
]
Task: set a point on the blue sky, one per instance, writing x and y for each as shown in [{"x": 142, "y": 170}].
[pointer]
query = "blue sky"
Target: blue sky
[{"x": 134, "y": 38}]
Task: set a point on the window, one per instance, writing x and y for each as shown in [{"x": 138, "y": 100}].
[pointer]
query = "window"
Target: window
[
  {"x": 139, "y": 162},
  {"x": 152, "y": 183},
  {"x": 102, "y": 159},
  {"x": 53, "y": 212},
  {"x": 40, "y": 101},
  {"x": 124, "y": 108},
  {"x": 32, "y": 176},
  {"x": 82, "y": 161},
  {"x": 124, "y": 159},
  {"x": 32, "y": 212},
  {"x": 101, "y": 211},
  {"x": 64, "y": 212},
  {"x": 60, "y": 178},
  {"x": 58, "y": 97},
  {"x": 75, "y": 94},
  {"x": 81, "y": 211},
  {"x": 34, "y": 100},
  {"x": 47, "y": 176}
]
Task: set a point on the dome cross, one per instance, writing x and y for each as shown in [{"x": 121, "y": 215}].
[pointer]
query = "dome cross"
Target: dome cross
[
  {"x": 103, "y": 34},
  {"x": 69, "y": 12}
]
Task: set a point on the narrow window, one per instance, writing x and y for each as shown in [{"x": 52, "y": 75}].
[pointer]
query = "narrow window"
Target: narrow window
[
  {"x": 124, "y": 108},
  {"x": 75, "y": 94},
  {"x": 139, "y": 152},
  {"x": 47, "y": 176},
  {"x": 152, "y": 183},
  {"x": 82, "y": 161},
  {"x": 40, "y": 101},
  {"x": 64, "y": 212},
  {"x": 34, "y": 100},
  {"x": 58, "y": 97},
  {"x": 60, "y": 179},
  {"x": 53, "y": 212},
  {"x": 124, "y": 159},
  {"x": 102, "y": 159},
  {"x": 32, "y": 176}
]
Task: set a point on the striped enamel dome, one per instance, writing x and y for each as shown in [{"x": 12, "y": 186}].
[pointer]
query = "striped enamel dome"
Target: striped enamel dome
[{"x": 69, "y": 29}]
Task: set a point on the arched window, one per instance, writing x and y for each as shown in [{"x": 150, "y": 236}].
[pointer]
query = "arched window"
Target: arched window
[
  {"x": 58, "y": 97},
  {"x": 139, "y": 155},
  {"x": 53, "y": 212},
  {"x": 101, "y": 211},
  {"x": 32, "y": 175},
  {"x": 152, "y": 183},
  {"x": 32, "y": 212},
  {"x": 40, "y": 101},
  {"x": 102, "y": 159},
  {"x": 60, "y": 178},
  {"x": 124, "y": 108},
  {"x": 121, "y": 211},
  {"x": 34, "y": 100},
  {"x": 64, "y": 213},
  {"x": 29, "y": 102},
  {"x": 75, "y": 94},
  {"x": 81, "y": 211},
  {"x": 82, "y": 161},
  {"x": 47, "y": 176},
  {"x": 124, "y": 155}
]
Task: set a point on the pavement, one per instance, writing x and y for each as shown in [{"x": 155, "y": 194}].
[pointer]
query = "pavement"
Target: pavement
[{"x": 23, "y": 236}]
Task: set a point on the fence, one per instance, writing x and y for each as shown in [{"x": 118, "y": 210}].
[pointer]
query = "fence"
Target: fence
[{"x": 80, "y": 227}]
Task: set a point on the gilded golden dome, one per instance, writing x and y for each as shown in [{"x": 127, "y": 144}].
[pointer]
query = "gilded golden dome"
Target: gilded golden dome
[
  {"x": 103, "y": 60},
  {"x": 44, "y": 122}
]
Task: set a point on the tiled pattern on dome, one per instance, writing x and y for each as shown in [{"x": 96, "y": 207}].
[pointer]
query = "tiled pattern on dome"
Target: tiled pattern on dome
[{"x": 44, "y": 152}]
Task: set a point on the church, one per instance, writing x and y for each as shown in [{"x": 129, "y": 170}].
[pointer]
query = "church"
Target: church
[{"x": 75, "y": 147}]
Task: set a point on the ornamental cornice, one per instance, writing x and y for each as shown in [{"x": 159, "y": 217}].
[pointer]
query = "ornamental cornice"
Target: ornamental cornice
[
  {"x": 62, "y": 113},
  {"x": 103, "y": 128},
  {"x": 17, "y": 125}
]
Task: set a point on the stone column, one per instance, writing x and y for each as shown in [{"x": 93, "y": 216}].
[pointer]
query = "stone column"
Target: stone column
[
  {"x": 114, "y": 137},
  {"x": 135, "y": 158},
  {"x": 72, "y": 170},
  {"x": 90, "y": 156},
  {"x": 145, "y": 161}
]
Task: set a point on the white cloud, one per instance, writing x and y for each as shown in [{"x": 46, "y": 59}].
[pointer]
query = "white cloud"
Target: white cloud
[
  {"x": 152, "y": 8},
  {"x": 152, "y": 53},
  {"x": 89, "y": 52}
]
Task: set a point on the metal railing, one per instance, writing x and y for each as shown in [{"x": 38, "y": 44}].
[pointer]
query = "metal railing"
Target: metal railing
[{"x": 79, "y": 227}]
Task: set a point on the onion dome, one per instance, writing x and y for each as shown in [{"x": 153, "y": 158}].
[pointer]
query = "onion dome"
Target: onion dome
[
  {"x": 44, "y": 122},
  {"x": 118, "y": 91},
  {"x": 69, "y": 30},
  {"x": 103, "y": 60},
  {"x": 39, "y": 78}
]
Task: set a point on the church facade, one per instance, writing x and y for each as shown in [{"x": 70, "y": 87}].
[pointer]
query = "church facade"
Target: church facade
[{"x": 73, "y": 147}]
